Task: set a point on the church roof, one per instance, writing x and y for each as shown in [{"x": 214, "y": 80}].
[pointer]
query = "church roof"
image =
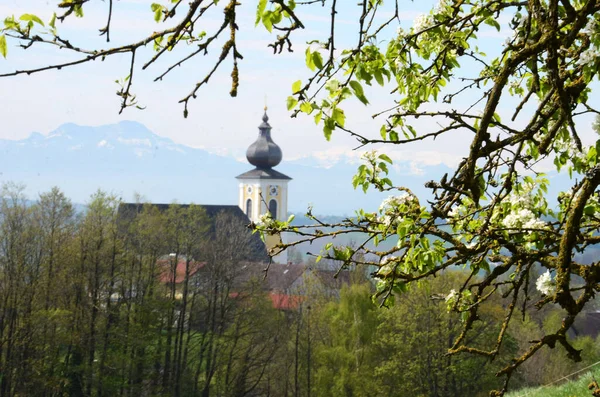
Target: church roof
[
  {"x": 263, "y": 173},
  {"x": 129, "y": 211}
]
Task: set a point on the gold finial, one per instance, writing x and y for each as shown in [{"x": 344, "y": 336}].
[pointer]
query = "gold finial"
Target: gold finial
[{"x": 265, "y": 102}]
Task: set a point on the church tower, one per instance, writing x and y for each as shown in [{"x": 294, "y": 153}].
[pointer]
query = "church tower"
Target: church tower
[{"x": 263, "y": 188}]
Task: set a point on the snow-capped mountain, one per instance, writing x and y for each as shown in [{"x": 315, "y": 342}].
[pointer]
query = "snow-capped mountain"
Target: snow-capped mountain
[{"x": 127, "y": 158}]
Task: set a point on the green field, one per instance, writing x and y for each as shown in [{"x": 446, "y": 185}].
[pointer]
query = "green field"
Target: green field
[{"x": 574, "y": 388}]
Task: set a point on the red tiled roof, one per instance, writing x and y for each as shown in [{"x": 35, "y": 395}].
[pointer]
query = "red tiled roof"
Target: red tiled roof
[
  {"x": 166, "y": 276},
  {"x": 285, "y": 302}
]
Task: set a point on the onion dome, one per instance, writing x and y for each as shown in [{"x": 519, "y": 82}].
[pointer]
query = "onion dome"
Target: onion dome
[{"x": 264, "y": 153}]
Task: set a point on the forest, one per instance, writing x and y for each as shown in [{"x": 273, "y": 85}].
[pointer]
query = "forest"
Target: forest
[{"x": 168, "y": 304}]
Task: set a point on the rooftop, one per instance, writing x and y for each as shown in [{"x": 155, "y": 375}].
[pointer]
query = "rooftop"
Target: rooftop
[{"x": 263, "y": 173}]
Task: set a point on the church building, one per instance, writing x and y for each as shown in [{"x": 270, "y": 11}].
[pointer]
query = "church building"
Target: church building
[
  {"x": 264, "y": 189},
  {"x": 261, "y": 190}
]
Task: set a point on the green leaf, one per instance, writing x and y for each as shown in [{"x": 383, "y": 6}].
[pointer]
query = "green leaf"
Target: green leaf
[
  {"x": 306, "y": 107},
  {"x": 266, "y": 20},
  {"x": 309, "y": 60},
  {"x": 385, "y": 158},
  {"x": 3, "y": 48},
  {"x": 378, "y": 77},
  {"x": 262, "y": 5},
  {"x": 493, "y": 22},
  {"x": 317, "y": 59},
  {"x": 412, "y": 131},
  {"x": 327, "y": 131},
  {"x": 383, "y": 132},
  {"x": 356, "y": 87},
  {"x": 52, "y": 22},
  {"x": 158, "y": 11},
  {"x": 291, "y": 102},
  {"x": 338, "y": 116},
  {"x": 318, "y": 117},
  {"x": 31, "y": 17},
  {"x": 297, "y": 86},
  {"x": 359, "y": 92}
]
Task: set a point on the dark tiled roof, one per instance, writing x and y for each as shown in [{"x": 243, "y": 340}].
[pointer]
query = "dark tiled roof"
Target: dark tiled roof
[
  {"x": 281, "y": 277},
  {"x": 263, "y": 173},
  {"x": 330, "y": 280},
  {"x": 129, "y": 211}
]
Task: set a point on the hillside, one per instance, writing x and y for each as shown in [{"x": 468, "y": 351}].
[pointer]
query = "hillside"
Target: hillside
[{"x": 573, "y": 388}]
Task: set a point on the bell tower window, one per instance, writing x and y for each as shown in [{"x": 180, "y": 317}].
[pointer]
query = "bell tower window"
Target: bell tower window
[
  {"x": 273, "y": 208},
  {"x": 249, "y": 208}
]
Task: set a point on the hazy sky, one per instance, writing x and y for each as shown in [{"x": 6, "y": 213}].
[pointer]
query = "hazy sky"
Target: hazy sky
[{"x": 86, "y": 94}]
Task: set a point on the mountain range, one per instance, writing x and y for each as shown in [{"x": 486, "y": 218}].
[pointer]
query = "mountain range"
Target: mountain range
[{"x": 127, "y": 158}]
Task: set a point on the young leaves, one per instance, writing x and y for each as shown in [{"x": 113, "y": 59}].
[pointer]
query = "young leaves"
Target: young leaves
[
  {"x": 3, "y": 48},
  {"x": 31, "y": 18},
  {"x": 260, "y": 10},
  {"x": 158, "y": 11}
]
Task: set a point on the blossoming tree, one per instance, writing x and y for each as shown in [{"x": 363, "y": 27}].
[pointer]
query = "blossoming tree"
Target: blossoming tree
[{"x": 492, "y": 214}]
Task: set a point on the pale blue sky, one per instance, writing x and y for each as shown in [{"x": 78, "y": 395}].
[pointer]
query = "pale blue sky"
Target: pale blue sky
[{"x": 218, "y": 123}]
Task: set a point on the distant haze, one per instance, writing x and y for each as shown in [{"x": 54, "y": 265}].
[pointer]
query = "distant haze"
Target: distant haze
[{"x": 127, "y": 158}]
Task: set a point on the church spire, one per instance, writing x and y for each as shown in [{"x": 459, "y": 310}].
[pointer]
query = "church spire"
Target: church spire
[
  {"x": 264, "y": 189},
  {"x": 264, "y": 153}
]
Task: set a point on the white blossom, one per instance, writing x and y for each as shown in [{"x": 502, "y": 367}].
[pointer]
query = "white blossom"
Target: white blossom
[
  {"x": 591, "y": 26},
  {"x": 387, "y": 259},
  {"x": 523, "y": 218},
  {"x": 393, "y": 202},
  {"x": 264, "y": 219},
  {"x": 569, "y": 147},
  {"x": 441, "y": 6},
  {"x": 534, "y": 223},
  {"x": 385, "y": 220},
  {"x": 545, "y": 284},
  {"x": 422, "y": 22},
  {"x": 588, "y": 57},
  {"x": 452, "y": 296},
  {"x": 454, "y": 212},
  {"x": 521, "y": 214},
  {"x": 389, "y": 208}
]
